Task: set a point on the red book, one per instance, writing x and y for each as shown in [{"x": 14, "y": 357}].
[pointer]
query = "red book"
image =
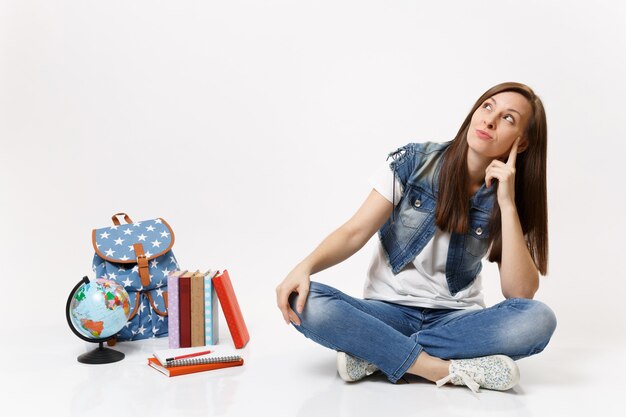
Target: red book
[
  {"x": 230, "y": 308},
  {"x": 190, "y": 369},
  {"x": 184, "y": 309}
]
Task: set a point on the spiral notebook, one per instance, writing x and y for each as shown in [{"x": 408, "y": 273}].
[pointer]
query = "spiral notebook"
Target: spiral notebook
[
  {"x": 170, "y": 358},
  {"x": 190, "y": 369}
]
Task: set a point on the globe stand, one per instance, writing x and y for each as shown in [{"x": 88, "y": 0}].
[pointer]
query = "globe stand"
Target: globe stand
[{"x": 101, "y": 355}]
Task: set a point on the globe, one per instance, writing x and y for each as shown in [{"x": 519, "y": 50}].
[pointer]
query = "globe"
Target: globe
[{"x": 96, "y": 311}]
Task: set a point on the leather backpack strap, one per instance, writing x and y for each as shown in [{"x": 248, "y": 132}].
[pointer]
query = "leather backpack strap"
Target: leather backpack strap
[
  {"x": 137, "y": 302},
  {"x": 156, "y": 310},
  {"x": 116, "y": 221},
  {"x": 142, "y": 263}
]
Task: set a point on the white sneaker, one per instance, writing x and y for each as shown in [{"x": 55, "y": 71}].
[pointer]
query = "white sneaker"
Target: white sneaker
[
  {"x": 496, "y": 372},
  {"x": 353, "y": 369}
]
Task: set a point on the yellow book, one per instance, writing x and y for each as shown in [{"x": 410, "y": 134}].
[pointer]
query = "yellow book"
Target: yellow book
[{"x": 197, "y": 309}]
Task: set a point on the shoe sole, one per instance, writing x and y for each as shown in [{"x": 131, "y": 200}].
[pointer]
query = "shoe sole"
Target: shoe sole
[{"x": 342, "y": 367}]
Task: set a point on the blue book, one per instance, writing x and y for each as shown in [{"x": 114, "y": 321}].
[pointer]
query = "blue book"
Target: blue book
[{"x": 211, "y": 318}]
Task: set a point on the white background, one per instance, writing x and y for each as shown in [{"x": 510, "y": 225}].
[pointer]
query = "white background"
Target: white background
[{"x": 253, "y": 126}]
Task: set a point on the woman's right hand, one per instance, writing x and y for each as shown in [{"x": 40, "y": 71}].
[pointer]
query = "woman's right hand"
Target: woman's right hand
[
  {"x": 297, "y": 281},
  {"x": 337, "y": 247}
]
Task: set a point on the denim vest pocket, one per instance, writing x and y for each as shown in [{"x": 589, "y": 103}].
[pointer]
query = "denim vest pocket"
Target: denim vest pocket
[
  {"x": 477, "y": 237},
  {"x": 416, "y": 207}
]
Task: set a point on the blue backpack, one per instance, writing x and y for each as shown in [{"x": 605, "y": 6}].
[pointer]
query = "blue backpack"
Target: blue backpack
[{"x": 139, "y": 257}]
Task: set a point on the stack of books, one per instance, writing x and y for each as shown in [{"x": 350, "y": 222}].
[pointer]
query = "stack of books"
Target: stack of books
[
  {"x": 193, "y": 309},
  {"x": 182, "y": 361}
]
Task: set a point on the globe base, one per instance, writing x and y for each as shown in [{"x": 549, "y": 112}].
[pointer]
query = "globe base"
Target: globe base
[{"x": 101, "y": 355}]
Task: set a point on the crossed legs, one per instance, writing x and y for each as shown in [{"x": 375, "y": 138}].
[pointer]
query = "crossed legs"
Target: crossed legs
[{"x": 399, "y": 339}]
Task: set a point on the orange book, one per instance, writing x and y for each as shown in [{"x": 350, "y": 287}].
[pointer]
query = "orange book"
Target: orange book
[
  {"x": 190, "y": 369},
  {"x": 230, "y": 307}
]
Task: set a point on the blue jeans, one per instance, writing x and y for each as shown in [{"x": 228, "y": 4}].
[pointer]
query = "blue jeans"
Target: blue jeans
[{"x": 391, "y": 336}]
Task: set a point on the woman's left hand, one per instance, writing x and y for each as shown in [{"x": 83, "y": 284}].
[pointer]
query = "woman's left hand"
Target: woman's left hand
[{"x": 505, "y": 174}]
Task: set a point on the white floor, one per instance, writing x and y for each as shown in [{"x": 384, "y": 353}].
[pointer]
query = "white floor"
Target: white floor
[{"x": 286, "y": 375}]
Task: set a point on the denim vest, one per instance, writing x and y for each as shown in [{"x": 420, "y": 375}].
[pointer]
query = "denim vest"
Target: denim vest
[{"x": 412, "y": 225}]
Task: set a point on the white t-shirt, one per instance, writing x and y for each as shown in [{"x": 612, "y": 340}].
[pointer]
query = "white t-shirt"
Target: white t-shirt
[{"x": 422, "y": 282}]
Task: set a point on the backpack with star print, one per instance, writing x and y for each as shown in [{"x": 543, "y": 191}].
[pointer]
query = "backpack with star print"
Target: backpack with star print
[{"x": 139, "y": 257}]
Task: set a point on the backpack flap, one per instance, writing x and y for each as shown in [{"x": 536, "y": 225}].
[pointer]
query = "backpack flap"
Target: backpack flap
[{"x": 134, "y": 243}]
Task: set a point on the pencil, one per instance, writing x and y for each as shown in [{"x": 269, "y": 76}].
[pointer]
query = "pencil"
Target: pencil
[{"x": 189, "y": 355}]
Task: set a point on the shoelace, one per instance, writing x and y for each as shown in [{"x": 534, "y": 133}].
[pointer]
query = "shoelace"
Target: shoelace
[
  {"x": 370, "y": 369},
  {"x": 466, "y": 378}
]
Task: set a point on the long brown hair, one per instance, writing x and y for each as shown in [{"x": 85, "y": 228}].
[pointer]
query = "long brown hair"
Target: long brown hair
[{"x": 452, "y": 210}]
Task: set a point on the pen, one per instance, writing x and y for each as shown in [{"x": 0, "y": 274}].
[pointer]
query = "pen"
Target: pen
[{"x": 190, "y": 355}]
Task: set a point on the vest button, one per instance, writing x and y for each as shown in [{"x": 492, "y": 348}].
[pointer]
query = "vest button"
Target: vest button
[
  {"x": 417, "y": 203},
  {"x": 479, "y": 231}
]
